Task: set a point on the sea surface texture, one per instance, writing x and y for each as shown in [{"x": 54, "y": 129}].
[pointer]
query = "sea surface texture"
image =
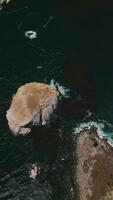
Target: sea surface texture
[{"x": 73, "y": 49}]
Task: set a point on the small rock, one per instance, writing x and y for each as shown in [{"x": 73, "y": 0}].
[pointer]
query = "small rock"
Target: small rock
[
  {"x": 31, "y": 34},
  {"x": 34, "y": 171}
]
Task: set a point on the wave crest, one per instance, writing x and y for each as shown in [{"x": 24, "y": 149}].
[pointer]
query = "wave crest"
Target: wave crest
[{"x": 101, "y": 129}]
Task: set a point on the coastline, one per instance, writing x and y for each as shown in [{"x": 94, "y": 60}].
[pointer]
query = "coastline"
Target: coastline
[{"x": 93, "y": 166}]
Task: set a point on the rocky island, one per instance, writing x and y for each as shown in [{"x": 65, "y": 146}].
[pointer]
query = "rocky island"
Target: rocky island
[
  {"x": 33, "y": 104},
  {"x": 93, "y": 171}
]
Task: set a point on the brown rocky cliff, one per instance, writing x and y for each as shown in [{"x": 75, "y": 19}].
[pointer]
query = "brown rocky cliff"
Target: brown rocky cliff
[{"x": 94, "y": 167}]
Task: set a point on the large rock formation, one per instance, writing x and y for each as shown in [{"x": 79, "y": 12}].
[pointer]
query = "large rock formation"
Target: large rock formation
[
  {"x": 94, "y": 167},
  {"x": 33, "y": 104}
]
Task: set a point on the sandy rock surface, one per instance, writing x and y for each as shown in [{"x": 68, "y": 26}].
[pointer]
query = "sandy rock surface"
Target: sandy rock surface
[
  {"x": 4, "y": 1},
  {"x": 33, "y": 103},
  {"x": 93, "y": 168}
]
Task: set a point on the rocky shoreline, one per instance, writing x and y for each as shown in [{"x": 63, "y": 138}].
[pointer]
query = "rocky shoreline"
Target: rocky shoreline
[
  {"x": 31, "y": 109},
  {"x": 93, "y": 171}
]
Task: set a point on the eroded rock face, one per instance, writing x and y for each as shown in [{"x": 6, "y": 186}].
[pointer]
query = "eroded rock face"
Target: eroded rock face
[
  {"x": 94, "y": 167},
  {"x": 34, "y": 103}
]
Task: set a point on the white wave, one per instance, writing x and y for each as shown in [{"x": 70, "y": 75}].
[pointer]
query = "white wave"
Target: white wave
[
  {"x": 64, "y": 91},
  {"x": 100, "y": 130},
  {"x": 7, "y": 1}
]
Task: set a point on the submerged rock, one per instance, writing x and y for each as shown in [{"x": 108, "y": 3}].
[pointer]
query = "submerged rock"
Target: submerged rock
[
  {"x": 78, "y": 75},
  {"x": 48, "y": 140},
  {"x": 79, "y": 78},
  {"x": 93, "y": 172},
  {"x": 74, "y": 10},
  {"x": 33, "y": 104}
]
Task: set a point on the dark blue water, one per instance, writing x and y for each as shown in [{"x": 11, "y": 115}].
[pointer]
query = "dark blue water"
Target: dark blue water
[{"x": 78, "y": 55}]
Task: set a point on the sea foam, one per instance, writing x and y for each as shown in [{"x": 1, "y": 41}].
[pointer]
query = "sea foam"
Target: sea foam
[
  {"x": 64, "y": 91},
  {"x": 102, "y": 133}
]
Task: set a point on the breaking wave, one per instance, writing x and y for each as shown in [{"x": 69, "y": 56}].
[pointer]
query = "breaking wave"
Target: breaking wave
[
  {"x": 104, "y": 129},
  {"x": 64, "y": 91}
]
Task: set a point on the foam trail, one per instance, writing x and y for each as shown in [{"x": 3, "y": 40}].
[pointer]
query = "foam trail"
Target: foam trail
[
  {"x": 100, "y": 130},
  {"x": 49, "y": 20}
]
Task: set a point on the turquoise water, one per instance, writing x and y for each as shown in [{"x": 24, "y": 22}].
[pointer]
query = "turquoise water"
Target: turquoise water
[{"x": 57, "y": 53}]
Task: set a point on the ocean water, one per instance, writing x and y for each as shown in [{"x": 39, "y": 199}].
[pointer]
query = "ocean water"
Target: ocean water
[{"x": 76, "y": 55}]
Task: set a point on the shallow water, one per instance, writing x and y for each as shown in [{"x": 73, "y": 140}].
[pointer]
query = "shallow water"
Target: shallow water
[{"x": 48, "y": 57}]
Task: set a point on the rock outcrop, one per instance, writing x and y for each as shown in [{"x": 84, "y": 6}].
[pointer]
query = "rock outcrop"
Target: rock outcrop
[
  {"x": 33, "y": 104},
  {"x": 4, "y": 1},
  {"x": 94, "y": 167}
]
